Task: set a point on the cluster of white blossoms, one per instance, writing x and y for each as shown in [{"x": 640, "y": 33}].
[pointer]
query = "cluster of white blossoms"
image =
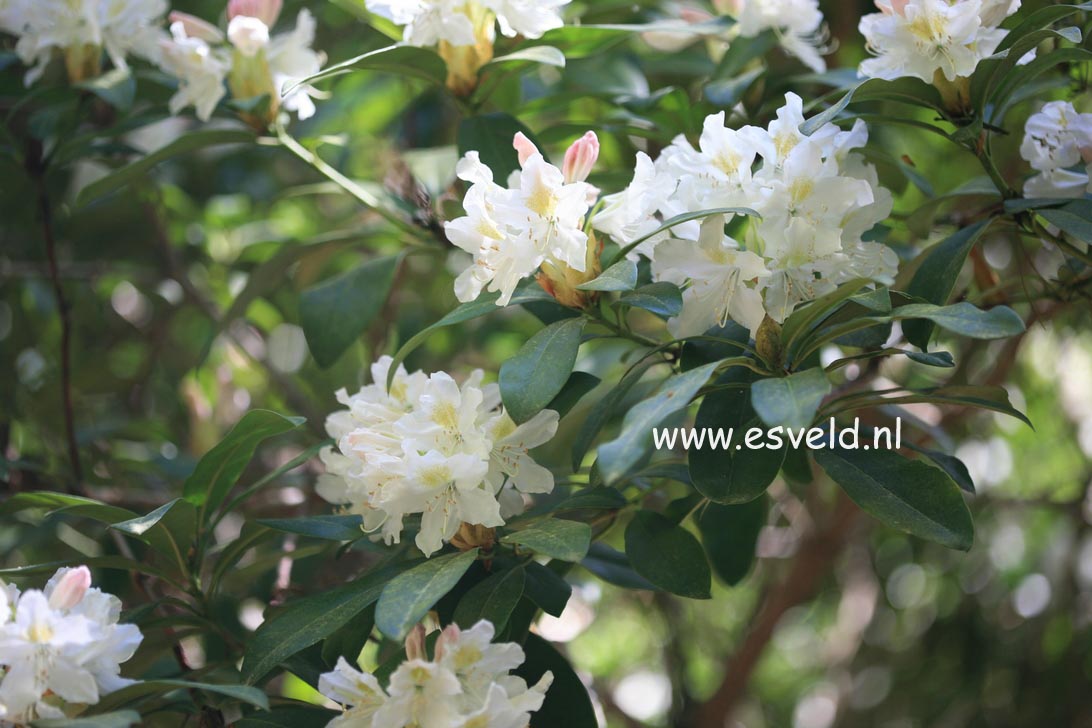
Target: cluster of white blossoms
[
  {"x": 798, "y": 25},
  {"x": 924, "y": 38},
  {"x": 432, "y": 447},
  {"x": 816, "y": 198},
  {"x": 251, "y": 60},
  {"x": 538, "y": 219},
  {"x": 1056, "y": 139},
  {"x": 463, "y": 22},
  {"x": 80, "y": 31},
  {"x": 466, "y": 685},
  {"x": 60, "y": 646}
]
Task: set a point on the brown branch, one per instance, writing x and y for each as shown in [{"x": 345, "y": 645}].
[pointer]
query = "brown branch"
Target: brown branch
[
  {"x": 45, "y": 214},
  {"x": 813, "y": 562}
]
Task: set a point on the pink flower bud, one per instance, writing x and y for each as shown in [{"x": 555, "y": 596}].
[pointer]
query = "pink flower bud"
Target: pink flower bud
[
  {"x": 580, "y": 158},
  {"x": 266, "y": 11},
  {"x": 415, "y": 644},
  {"x": 448, "y": 636},
  {"x": 195, "y": 27},
  {"x": 70, "y": 588},
  {"x": 1086, "y": 154},
  {"x": 524, "y": 146},
  {"x": 898, "y": 7}
]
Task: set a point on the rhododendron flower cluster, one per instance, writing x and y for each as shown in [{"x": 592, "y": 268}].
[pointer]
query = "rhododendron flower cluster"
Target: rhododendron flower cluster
[
  {"x": 816, "y": 199},
  {"x": 466, "y": 685},
  {"x": 432, "y": 447},
  {"x": 81, "y": 30},
  {"x": 538, "y": 219},
  {"x": 928, "y": 39},
  {"x": 60, "y": 647},
  {"x": 1057, "y": 139},
  {"x": 248, "y": 57}
]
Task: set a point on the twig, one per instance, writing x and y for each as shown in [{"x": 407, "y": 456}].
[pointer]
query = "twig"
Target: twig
[{"x": 45, "y": 214}]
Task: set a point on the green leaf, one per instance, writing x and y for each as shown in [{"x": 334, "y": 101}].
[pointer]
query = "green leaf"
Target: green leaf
[
  {"x": 983, "y": 397},
  {"x": 622, "y": 276},
  {"x": 905, "y": 494},
  {"x": 622, "y": 453},
  {"x": 330, "y": 528},
  {"x": 536, "y": 374},
  {"x": 567, "y": 702},
  {"x": 806, "y": 318},
  {"x": 336, "y": 312},
  {"x": 492, "y": 599},
  {"x": 554, "y": 537},
  {"x": 68, "y": 504},
  {"x": 409, "y": 596},
  {"x": 242, "y": 693},
  {"x": 729, "y": 535},
  {"x": 186, "y": 144},
  {"x": 598, "y": 416},
  {"x": 169, "y": 529},
  {"x": 607, "y": 499},
  {"x": 935, "y": 278},
  {"x": 1074, "y": 218},
  {"x": 662, "y": 299},
  {"x": 306, "y": 621},
  {"x": 790, "y": 401},
  {"x": 535, "y": 55},
  {"x": 288, "y": 717},
  {"x": 350, "y": 639},
  {"x": 120, "y": 719},
  {"x": 667, "y": 555},
  {"x": 117, "y": 563},
  {"x": 732, "y": 475},
  {"x": 219, "y": 469},
  {"x": 965, "y": 319},
  {"x": 546, "y": 588},
  {"x": 482, "y": 305},
  {"x": 491, "y": 135},
  {"x": 578, "y": 385},
  {"x": 116, "y": 87},
  {"x": 613, "y": 567},
  {"x": 403, "y": 60}
]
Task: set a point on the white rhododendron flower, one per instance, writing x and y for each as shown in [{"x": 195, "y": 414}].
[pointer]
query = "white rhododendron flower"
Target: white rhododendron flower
[
  {"x": 1057, "y": 139},
  {"x": 511, "y": 231},
  {"x": 798, "y": 25},
  {"x": 458, "y": 22},
  {"x": 816, "y": 198},
  {"x": 248, "y": 57},
  {"x": 467, "y": 684},
  {"x": 82, "y": 30},
  {"x": 60, "y": 646},
  {"x": 922, "y": 38},
  {"x": 432, "y": 447}
]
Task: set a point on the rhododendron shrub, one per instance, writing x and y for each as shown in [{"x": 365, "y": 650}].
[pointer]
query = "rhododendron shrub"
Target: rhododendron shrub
[{"x": 356, "y": 350}]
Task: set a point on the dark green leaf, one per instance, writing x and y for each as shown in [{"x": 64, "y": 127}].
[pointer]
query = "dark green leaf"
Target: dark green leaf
[
  {"x": 613, "y": 567},
  {"x": 790, "y": 401},
  {"x": 905, "y": 494},
  {"x": 935, "y": 278},
  {"x": 662, "y": 299},
  {"x": 120, "y": 719},
  {"x": 169, "y": 529},
  {"x": 219, "y": 469},
  {"x": 330, "y": 528},
  {"x": 336, "y": 312},
  {"x": 567, "y": 702},
  {"x": 667, "y": 555},
  {"x": 579, "y": 384},
  {"x": 409, "y": 596},
  {"x": 729, "y": 534},
  {"x": 1074, "y": 218},
  {"x": 71, "y": 504},
  {"x": 492, "y": 599},
  {"x": 404, "y": 60},
  {"x": 554, "y": 537},
  {"x": 619, "y": 455},
  {"x": 306, "y": 621},
  {"x": 546, "y": 588},
  {"x": 622, "y": 276},
  {"x": 116, "y": 87},
  {"x": 536, "y": 374}
]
